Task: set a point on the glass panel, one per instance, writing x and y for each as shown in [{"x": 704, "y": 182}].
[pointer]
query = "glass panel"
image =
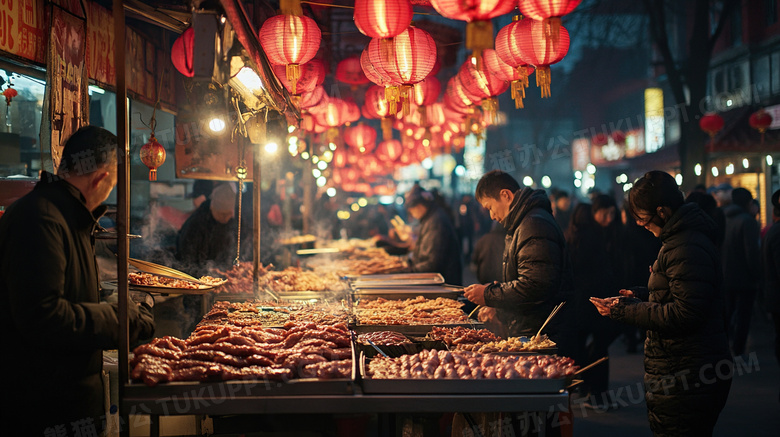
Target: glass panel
[{"x": 20, "y": 125}]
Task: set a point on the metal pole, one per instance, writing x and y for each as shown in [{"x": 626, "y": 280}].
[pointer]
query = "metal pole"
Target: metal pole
[
  {"x": 308, "y": 194},
  {"x": 123, "y": 205},
  {"x": 256, "y": 210}
]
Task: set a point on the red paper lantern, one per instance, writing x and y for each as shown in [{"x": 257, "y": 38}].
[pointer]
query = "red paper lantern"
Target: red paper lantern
[
  {"x": 434, "y": 113},
  {"x": 181, "y": 52},
  {"x": 340, "y": 158},
  {"x": 599, "y": 140},
  {"x": 315, "y": 100},
  {"x": 517, "y": 76},
  {"x": 479, "y": 81},
  {"x": 290, "y": 40},
  {"x": 351, "y": 111},
  {"x": 389, "y": 150},
  {"x": 399, "y": 62},
  {"x": 525, "y": 40},
  {"x": 361, "y": 137},
  {"x": 9, "y": 94},
  {"x": 334, "y": 113},
  {"x": 313, "y": 75},
  {"x": 350, "y": 72},
  {"x": 456, "y": 97},
  {"x": 478, "y": 13},
  {"x": 711, "y": 123},
  {"x": 382, "y": 18},
  {"x": 619, "y": 137},
  {"x": 549, "y": 12},
  {"x": 426, "y": 92},
  {"x": 760, "y": 120},
  {"x": 153, "y": 156}
]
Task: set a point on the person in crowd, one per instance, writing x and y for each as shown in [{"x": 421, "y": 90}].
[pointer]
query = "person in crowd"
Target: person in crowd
[
  {"x": 488, "y": 255},
  {"x": 536, "y": 276},
  {"x": 640, "y": 248},
  {"x": 688, "y": 366},
  {"x": 741, "y": 266},
  {"x": 207, "y": 240},
  {"x": 562, "y": 208},
  {"x": 437, "y": 248},
  {"x": 467, "y": 224},
  {"x": 201, "y": 190},
  {"x": 770, "y": 262},
  {"x": 49, "y": 294},
  {"x": 595, "y": 274},
  {"x": 709, "y": 205},
  {"x": 722, "y": 194}
]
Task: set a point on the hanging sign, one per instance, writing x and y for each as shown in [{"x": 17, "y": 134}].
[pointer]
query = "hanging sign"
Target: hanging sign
[{"x": 21, "y": 29}]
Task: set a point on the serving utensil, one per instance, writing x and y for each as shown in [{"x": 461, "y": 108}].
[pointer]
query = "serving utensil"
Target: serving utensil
[
  {"x": 157, "y": 269},
  {"x": 552, "y": 314}
]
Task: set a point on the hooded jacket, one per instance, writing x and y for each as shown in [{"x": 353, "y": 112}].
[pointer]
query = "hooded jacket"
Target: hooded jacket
[
  {"x": 685, "y": 322},
  {"x": 437, "y": 249},
  {"x": 536, "y": 274},
  {"x": 50, "y": 314}
]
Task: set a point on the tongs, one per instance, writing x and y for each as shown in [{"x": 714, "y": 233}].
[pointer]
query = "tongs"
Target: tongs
[
  {"x": 552, "y": 314},
  {"x": 157, "y": 269}
]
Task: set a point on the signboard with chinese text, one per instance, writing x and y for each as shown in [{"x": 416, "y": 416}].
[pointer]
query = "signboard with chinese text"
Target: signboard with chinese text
[{"x": 22, "y": 29}]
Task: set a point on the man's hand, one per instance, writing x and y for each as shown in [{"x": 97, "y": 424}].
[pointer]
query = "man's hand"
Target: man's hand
[
  {"x": 604, "y": 305},
  {"x": 627, "y": 293},
  {"x": 475, "y": 293}
]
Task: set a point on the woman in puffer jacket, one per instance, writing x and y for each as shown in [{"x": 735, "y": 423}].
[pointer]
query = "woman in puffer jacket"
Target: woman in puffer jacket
[{"x": 688, "y": 367}]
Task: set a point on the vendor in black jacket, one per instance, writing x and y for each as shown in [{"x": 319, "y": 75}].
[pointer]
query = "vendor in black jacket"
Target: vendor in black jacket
[
  {"x": 536, "y": 275},
  {"x": 688, "y": 366},
  {"x": 54, "y": 326},
  {"x": 437, "y": 248}
]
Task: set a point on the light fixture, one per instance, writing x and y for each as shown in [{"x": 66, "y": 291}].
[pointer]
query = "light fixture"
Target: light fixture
[
  {"x": 322, "y": 165},
  {"x": 305, "y": 155},
  {"x": 769, "y": 160},
  {"x": 250, "y": 80},
  {"x": 577, "y": 174},
  {"x": 217, "y": 124},
  {"x": 546, "y": 181},
  {"x": 528, "y": 181},
  {"x": 745, "y": 163},
  {"x": 316, "y": 172},
  {"x": 715, "y": 172},
  {"x": 627, "y": 186},
  {"x": 697, "y": 169},
  {"x": 330, "y": 192},
  {"x": 591, "y": 168},
  {"x": 271, "y": 148},
  {"x": 460, "y": 171},
  {"x": 678, "y": 178},
  {"x": 332, "y": 146},
  {"x": 321, "y": 181},
  {"x": 354, "y": 207},
  {"x": 730, "y": 168},
  {"x": 362, "y": 202},
  {"x": 290, "y": 129},
  {"x": 293, "y": 149},
  {"x": 578, "y": 183}
]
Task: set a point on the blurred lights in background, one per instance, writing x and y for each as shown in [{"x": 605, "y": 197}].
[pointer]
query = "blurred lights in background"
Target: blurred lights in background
[
  {"x": 528, "y": 181},
  {"x": 332, "y": 146},
  {"x": 460, "y": 171},
  {"x": 622, "y": 179},
  {"x": 330, "y": 192},
  {"x": 354, "y": 207},
  {"x": 697, "y": 169},
  {"x": 715, "y": 171},
  {"x": 290, "y": 129},
  {"x": 745, "y": 163},
  {"x": 546, "y": 181},
  {"x": 305, "y": 155},
  {"x": 343, "y": 215},
  {"x": 217, "y": 124},
  {"x": 577, "y": 183},
  {"x": 322, "y": 165},
  {"x": 591, "y": 168},
  {"x": 316, "y": 172},
  {"x": 769, "y": 160},
  {"x": 577, "y": 174},
  {"x": 627, "y": 186},
  {"x": 730, "y": 168},
  {"x": 678, "y": 178},
  {"x": 386, "y": 200},
  {"x": 250, "y": 80},
  {"x": 271, "y": 148},
  {"x": 321, "y": 181},
  {"x": 427, "y": 163},
  {"x": 362, "y": 202}
]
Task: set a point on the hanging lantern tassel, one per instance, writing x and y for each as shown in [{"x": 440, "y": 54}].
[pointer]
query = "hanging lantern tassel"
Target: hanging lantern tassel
[
  {"x": 332, "y": 135},
  {"x": 153, "y": 156},
  {"x": 387, "y": 128},
  {"x": 490, "y": 108},
  {"x": 479, "y": 36},
  {"x": 543, "y": 80},
  {"x": 406, "y": 97},
  {"x": 293, "y": 74},
  {"x": 552, "y": 30},
  {"x": 518, "y": 93},
  {"x": 422, "y": 110},
  {"x": 393, "y": 96}
]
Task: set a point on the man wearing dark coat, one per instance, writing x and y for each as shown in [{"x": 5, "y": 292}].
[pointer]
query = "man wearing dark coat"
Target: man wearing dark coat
[
  {"x": 53, "y": 323},
  {"x": 536, "y": 275}
]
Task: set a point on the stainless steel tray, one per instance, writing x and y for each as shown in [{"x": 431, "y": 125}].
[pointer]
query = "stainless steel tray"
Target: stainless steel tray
[
  {"x": 395, "y": 280},
  {"x": 202, "y": 289},
  {"x": 418, "y": 330},
  {"x": 238, "y": 389},
  {"x": 457, "y": 386},
  {"x": 428, "y": 292}
]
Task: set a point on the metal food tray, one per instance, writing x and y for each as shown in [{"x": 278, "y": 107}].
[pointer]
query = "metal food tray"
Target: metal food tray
[
  {"x": 428, "y": 292},
  {"x": 244, "y": 388},
  {"x": 417, "y": 330},
  {"x": 457, "y": 386},
  {"x": 202, "y": 289},
  {"x": 395, "y": 280}
]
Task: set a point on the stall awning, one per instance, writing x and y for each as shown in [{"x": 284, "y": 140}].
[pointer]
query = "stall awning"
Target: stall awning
[{"x": 738, "y": 137}]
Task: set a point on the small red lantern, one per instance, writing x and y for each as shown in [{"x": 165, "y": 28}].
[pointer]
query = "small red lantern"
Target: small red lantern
[
  {"x": 350, "y": 72},
  {"x": 361, "y": 137},
  {"x": 382, "y": 18},
  {"x": 290, "y": 40},
  {"x": 389, "y": 150},
  {"x": 315, "y": 100},
  {"x": 351, "y": 111},
  {"x": 711, "y": 123},
  {"x": 426, "y": 92},
  {"x": 312, "y": 76},
  {"x": 619, "y": 137},
  {"x": 479, "y": 81},
  {"x": 517, "y": 76},
  {"x": 760, "y": 120},
  {"x": 377, "y": 106},
  {"x": 599, "y": 140},
  {"x": 181, "y": 53},
  {"x": 525, "y": 40},
  {"x": 478, "y": 13},
  {"x": 10, "y": 93},
  {"x": 549, "y": 12},
  {"x": 153, "y": 156}
]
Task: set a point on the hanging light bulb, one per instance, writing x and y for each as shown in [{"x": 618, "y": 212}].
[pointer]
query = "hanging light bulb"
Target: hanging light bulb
[
  {"x": 745, "y": 163},
  {"x": 697, "y": 169},
  {"x": 715, "y": 171}
]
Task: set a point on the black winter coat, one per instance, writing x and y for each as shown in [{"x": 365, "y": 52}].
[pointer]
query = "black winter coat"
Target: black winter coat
[
  {"x": 740, "y": 252},
  {"x": 770, "y": 261},
  {"x": 685, "y": 322},
  {"x": 54, "y": 326},
  {"x": 437, "y": 248},
  {"x": 204, "y": 243},
  {"x": 536, "y": 274}
]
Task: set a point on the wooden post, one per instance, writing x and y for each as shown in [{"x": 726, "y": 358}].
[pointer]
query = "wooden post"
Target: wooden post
[
  {"x": 123, "y": 206},
  {"x": 256, "y": 214}
]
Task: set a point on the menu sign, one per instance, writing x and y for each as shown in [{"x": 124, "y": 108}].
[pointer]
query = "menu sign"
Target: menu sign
[{"x": 21, "y": 29}]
